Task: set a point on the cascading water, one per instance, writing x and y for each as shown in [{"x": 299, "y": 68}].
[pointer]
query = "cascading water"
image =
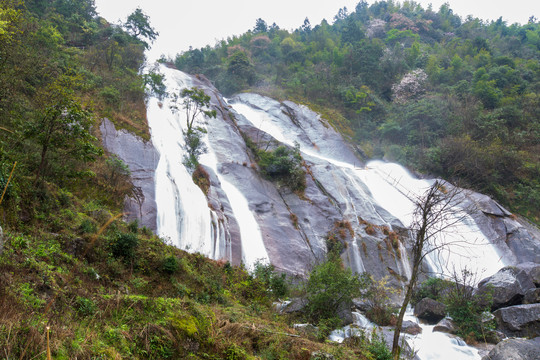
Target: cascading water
[
  {"x": 383, "y": 192},
  {"x": 184, "y": 215},
  {"x": 395, "y": 190}
]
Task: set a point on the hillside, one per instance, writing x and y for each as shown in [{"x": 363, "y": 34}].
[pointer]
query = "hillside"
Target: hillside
[{"x": 451, "y": 96}]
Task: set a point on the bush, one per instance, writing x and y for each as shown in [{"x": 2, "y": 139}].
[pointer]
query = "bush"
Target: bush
[
  {"x": 434, "y": 288},
  {"x": 380, "y": 309},
  {"x": 170, "y": 265},
  {"x": 378, "y": 347},
  {"x": 285, "y": 165},
  {"x": 85, "y": 306},
  {"x": 328, "y": 288},
  {"x": 124, "y": 245},
  {"x": 466, "y": 309},
  {"x": 274, "y": 282}
]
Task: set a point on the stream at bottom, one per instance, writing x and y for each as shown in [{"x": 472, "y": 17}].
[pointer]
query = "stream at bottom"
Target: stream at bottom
[{"x": 428, "y": 345}]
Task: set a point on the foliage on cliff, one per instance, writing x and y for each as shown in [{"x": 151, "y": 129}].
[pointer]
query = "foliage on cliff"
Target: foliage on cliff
[
  {"x": 456, "y": 97},
  {"x": 62, "y": 68}
]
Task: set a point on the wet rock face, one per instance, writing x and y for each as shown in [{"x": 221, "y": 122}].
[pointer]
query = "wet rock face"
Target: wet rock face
[
  {"x": 507, "y": 287},
  {"x": 519, "y": 320},
  {"x": 445, "y": 325},
  {"x": 516, "y": 240},
  {"x": 515, "y": 349},
  {"x": 410, "y": 327},
  {"x": 430, "y": 310},
  {"x": 142, "y": 159}
]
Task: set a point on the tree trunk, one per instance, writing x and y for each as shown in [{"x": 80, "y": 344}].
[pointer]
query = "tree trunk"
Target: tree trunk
[{"x": 408, "y": 295}]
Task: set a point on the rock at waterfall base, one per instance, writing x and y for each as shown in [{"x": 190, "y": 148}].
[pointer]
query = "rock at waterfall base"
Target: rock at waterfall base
[
  {"x": 515, "y": 349},
  {"x": 410, "y": 327},
  {"x": 430, "y": 310},
  {"x": 519, "y": 320},
  {"x": 507, "y": 287},
  {"x": 445, "y": 325}
]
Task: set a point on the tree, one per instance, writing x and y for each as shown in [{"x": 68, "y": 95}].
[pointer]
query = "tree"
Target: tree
[
  {"x": 435, "y": 213},
  {"x": 328, "y": 287},
  {"x": 260, "y": 26},
  {"x": 62, "y": 124},
  {"x": 195, "y": 103},
  {"x": 138, "y": 25}
]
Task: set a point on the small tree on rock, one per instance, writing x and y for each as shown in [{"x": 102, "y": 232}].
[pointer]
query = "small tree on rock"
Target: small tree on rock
[{"x": 195, "y": 103}]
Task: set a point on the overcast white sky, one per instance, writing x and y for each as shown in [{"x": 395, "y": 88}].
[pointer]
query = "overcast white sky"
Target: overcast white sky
[{"x": 197, "y": 23}]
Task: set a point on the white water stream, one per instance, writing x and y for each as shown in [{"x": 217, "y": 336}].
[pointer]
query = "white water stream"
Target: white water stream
[{"x": 183, "y": 213}]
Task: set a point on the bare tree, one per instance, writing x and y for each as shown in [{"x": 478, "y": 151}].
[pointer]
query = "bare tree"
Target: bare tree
[{"x": 436, "y": 213}]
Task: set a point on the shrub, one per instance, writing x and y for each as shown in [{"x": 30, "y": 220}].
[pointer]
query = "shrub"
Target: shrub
[
  {"x": 124, "y": 245},
  {"x": 285, "y": 165},
  {"x": 201, "y": 178},
  {"x": 85, "y": 306},
  {"x": 329, "y": 287},
  {"x": 170, "y": 265},
  {"x": 378, "y": 347},
  {"x": 467, "y": 309},
  {"x": 434, "y": 288},
  {"x": 378, "y": 296},
  {"x": 87, "y": 227},
  {"x": 274, "y": 282}
]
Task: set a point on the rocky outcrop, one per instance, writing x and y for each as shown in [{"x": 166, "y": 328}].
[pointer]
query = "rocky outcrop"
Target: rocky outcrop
[
  {"x": 533, "y": 270},
  {"x": 532, "y": 296},
  {"x": 446, "y": 325},
  {"x": 410, "y": 327},
  {"x": 142, "y": 159},
  {"x": 519, "y": 320},
  {"x": 507, "y": 287},
  {"x": 515, "y": 349},
  {"x": 430, "y": 310}
]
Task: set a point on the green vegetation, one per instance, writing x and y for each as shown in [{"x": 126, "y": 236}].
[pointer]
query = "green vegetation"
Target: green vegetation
[
  {"x": 455, "y": 97},
  {"x": 283, "y": 165},
  {"x": 195, "y": 103},
  {"x": 466, "y": 309}
]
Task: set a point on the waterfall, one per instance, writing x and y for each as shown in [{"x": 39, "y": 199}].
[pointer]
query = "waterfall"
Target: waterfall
[
  {"x": 184, "y": 215},
  {"x": 463, "y": 244}
]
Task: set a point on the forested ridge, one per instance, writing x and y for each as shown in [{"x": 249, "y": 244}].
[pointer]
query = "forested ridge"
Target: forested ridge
[
  {"x": 62, "y": 67},
  {"x": 446, "y": 95}
]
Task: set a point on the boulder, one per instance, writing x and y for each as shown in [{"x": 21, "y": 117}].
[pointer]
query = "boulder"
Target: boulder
[
  {"x": 507, "y": 287},
  {"x": 532, "y": 296},
  {"x": 446, "y": 325},
  {"x": 515, "y": 349},
  {"x": 296, "y": 305},
  {"x": 410, "y": 327},
  {"x": 533, "y": 270},
  {"x": 430, "y": 310},
  {"x": 519, "y": 320}
]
